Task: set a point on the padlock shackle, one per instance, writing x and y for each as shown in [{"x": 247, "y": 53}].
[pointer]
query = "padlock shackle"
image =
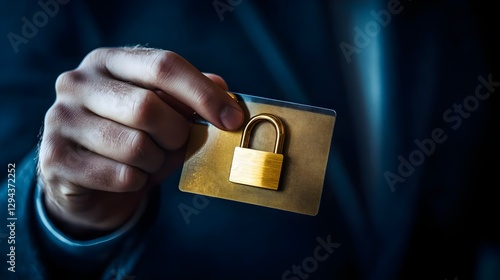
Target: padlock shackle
[{"x": 278, "y": 124}]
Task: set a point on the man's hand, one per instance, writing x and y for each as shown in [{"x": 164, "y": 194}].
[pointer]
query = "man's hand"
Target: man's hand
[{"x": 116, "y": 128}]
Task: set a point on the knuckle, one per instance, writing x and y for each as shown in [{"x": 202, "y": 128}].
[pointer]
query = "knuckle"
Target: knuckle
[
  {"x": 95, "y": 55},
  {"x": 140, "y": 149},
  {"x": 129, "y": 179},
  {"x": 69, "y": 80},
  {"x": 51, "y": 153},
  {"x": 58, "y": 115},
  {"x": 56, "y": 150},
  {"x": 164, "y": 65},
  {"x": 46, "y": 154},
  {"x": 136, "y": 143},
  {"x": 142, "y": 108}
]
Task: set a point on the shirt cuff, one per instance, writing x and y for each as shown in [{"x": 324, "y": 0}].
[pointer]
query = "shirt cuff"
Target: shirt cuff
[{"x": 80, "y": 254}]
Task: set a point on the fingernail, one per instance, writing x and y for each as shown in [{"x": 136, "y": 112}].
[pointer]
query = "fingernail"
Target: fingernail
[{"x": 231, "y": 117}]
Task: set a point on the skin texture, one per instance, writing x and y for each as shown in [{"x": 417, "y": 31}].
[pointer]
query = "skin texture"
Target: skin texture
[{"x": 117, "y": 128}]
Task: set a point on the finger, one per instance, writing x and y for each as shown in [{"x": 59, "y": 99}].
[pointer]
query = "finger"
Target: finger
[
  {"x": 175, "y": 104},
  {"x": 218, "y": 80},
  {"x": 182, "y": 108},
  {"x": 115, "y": 141},
  {"x": 66, "y": 164},
  {"x": 169, "y": 72},
  {"x": 126, "y": 104}
]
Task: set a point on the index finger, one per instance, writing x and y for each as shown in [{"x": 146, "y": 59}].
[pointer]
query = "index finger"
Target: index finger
[{"x": 167, "y": 71}]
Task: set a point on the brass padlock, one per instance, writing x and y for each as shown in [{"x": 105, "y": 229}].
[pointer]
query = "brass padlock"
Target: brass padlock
[{"x": 258, "y": 168}]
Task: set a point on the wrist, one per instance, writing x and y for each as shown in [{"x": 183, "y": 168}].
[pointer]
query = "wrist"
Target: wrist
[
  {"x": 90, "y": 215},
  {"x": 83, "y": 255},
  {"x": 71, "y": 224}
]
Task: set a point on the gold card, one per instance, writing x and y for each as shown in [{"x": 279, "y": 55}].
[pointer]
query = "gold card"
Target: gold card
[{"x": 212, "y": 156}]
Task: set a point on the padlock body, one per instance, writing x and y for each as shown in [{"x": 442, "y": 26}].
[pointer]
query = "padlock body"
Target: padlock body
[{"x": 256, "y": 168}]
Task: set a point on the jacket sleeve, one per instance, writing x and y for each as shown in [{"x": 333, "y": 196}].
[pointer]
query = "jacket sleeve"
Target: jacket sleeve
[
  {"x": 36, "y": 249},
  {"x": 24, "y": 255},
  {"x": 78, "y": 255}
]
